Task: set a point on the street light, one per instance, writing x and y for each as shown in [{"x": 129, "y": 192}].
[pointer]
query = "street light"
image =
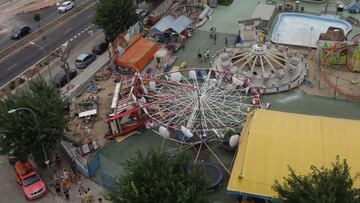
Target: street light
[
  {"x": 37, "y": 128},
  {"x": 311, "y": 31},
  {"x": 47, "y": 58}
]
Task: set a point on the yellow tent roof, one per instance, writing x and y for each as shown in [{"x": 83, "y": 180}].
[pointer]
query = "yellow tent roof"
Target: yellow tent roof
[{"x": 271, "y": 141}]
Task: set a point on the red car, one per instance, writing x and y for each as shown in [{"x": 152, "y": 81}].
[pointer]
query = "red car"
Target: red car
[{"x": 32, "y": 185}]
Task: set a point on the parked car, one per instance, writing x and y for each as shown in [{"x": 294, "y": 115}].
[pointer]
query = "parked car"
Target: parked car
[
  {"x": 20, "y": 32},
  {"x": 60, "y": 79},
  {"x": 12, "y": 157},
  {"x": 84, "y": 60},
  {"x": 33, "y": 186},
  {"x": 100, "y": 48},
  {"x": 141, "y": 12},
  {"x": 66, "y": 6}
]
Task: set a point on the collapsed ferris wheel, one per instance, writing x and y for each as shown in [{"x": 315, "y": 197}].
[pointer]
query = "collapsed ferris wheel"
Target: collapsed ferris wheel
[{"x": 193, "y": 106}]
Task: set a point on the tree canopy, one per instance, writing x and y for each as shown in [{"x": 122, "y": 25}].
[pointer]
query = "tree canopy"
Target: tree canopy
[
  {"x": 115, "y": 16},
  {"x": 321, "y": 185},
  {"x": 155, "y": 177},
  {"x": 19, "y": 128}
]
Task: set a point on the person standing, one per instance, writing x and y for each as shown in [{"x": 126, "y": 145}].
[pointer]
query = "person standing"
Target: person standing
[
  {"x": 66, "y": 193},
  {"x": 211, "y": 32},
  {"x": 215, "y": 38},
  {"x": 100, "y": 200},
  {"x": 81, "y": 197},
  {"x": 66, "y": 174},
  {"x": 226, "y": 41},
  {"x": 199, "y": 54},
  {"x": 204, "y": 56},
  {"x": 208, "y": 54},
  {"x": 90, "y": 195},
  {"x": 57, "y": 188},
  {"x": 87, "y": 197}
]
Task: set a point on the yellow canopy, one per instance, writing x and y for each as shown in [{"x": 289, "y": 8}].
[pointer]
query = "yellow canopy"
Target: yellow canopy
[{"x": 271, "y": 141}]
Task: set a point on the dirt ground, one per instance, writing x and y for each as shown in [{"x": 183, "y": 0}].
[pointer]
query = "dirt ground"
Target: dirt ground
[{"x": 84, "y": 130}]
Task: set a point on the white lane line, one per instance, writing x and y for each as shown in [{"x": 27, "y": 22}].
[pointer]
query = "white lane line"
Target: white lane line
[
  {"x": 89, "y": 16},
  {"x": 78, "y": 34},
  {"x": 82, "y": 31},
  {"x": 43, "y": 46},
  {"x": 12, "y": 66},
  {"x": 68, "y": 30}
]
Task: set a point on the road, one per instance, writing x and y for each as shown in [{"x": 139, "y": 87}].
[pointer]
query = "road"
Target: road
[
  {"x": 47, "y": 15},
  {"x": 19, "y": 62}
]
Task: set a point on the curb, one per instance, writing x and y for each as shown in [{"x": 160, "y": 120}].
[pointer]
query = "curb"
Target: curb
[{"x": 38, "y": 9}]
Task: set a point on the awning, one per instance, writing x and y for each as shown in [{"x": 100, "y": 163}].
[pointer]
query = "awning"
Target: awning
[
  {"x": 168, "y": 23},
  {"x": 271, "y": 141},
  {"x": 163, "y": 24},
  {"x": 138, "y": 54},
  {"x": 180, "y": 24}
]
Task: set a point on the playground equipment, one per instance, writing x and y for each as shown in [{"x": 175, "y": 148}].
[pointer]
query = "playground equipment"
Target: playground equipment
[
  {"x": 270, "y": 68},
  {"x": 340, "y": 68}
]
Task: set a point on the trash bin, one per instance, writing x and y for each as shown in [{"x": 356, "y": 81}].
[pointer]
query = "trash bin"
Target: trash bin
[{"x": 212, "y": 3}]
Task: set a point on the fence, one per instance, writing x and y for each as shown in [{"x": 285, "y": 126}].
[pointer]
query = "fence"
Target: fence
[{"x": 87, "y": 167}]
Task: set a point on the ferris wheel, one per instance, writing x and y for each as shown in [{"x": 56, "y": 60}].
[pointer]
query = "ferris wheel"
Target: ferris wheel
[
  {"x": 196, "y": 106},
  {"x": 190, "y": 107}
]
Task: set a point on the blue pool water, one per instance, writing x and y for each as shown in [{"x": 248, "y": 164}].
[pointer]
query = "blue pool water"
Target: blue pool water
[{"x": 304, "y": 29}]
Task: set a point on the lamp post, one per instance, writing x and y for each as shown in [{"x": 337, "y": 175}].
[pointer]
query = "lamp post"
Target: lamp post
[
  {"x": 311, "y": 31},
  {"x": 37, "y": 128},
  {"x": 47, "y": 58}
]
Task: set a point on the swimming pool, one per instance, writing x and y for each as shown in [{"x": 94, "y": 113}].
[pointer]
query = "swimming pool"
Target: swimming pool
[{"x": 304, "y": 29}]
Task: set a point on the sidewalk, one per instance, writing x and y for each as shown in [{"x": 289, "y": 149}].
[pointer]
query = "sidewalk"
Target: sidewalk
[
  {"x": 95, "y": 189},
  {"x": 28, "y": 6}
]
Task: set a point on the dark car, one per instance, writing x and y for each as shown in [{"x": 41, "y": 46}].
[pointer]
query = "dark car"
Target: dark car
[
  {"x": 84, "y": 60},
  {"x": 100, "y": 48},
  {"x": 20, "y": 32},
  {"x": 12, "y": 157},
  {"x": 60, "y": 79}
]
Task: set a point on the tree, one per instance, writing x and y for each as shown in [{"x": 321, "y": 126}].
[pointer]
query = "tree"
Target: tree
[
  {"x": 323, "y": 185},
  {"x": 155, "y": 177},
  {"x": 37, "y": 18},
  {"x": 115, "y": 16},
  {"x": 19, "y": 129}
]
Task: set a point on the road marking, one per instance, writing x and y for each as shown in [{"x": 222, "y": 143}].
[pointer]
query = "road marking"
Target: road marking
[
  {"x": 50, "y": 30},
  {"x": 12, "y": 66},
  {"x": 82, "y": 32},
  {"x": 89, "y": 16},
  {"x": 68, "y": 30},
  {"x": 53, "y": 13}
]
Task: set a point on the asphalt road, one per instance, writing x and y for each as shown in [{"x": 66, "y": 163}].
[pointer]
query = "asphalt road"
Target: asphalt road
[
  {"x": 47, "y": 15},
  {"x": 19, "y": 62}
]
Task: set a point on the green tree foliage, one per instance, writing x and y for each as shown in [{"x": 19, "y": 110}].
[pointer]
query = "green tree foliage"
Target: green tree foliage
[
  {"x": 155, "y": 177},
  {"x": 321, "y": 185},
  {"x": 115, "y": 16},
  {"x": 19, "y": 128}
]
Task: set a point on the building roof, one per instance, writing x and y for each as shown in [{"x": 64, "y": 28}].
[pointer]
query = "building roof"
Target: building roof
[
  {"x": 138, "y": 54},
  {"x": 180, "y": 24},
  {"x": 263, "y": 11},
  {"x": 168, "y": 22},
  {"x": 163, "y": 24},
  {"x": 271, "y": 141}
]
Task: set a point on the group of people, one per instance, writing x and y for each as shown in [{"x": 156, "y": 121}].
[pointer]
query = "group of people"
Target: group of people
[
  {"x": 205, "y": 56},
  {"x": 213, "y": 35},
  {"x": 62, "y": 177}
]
